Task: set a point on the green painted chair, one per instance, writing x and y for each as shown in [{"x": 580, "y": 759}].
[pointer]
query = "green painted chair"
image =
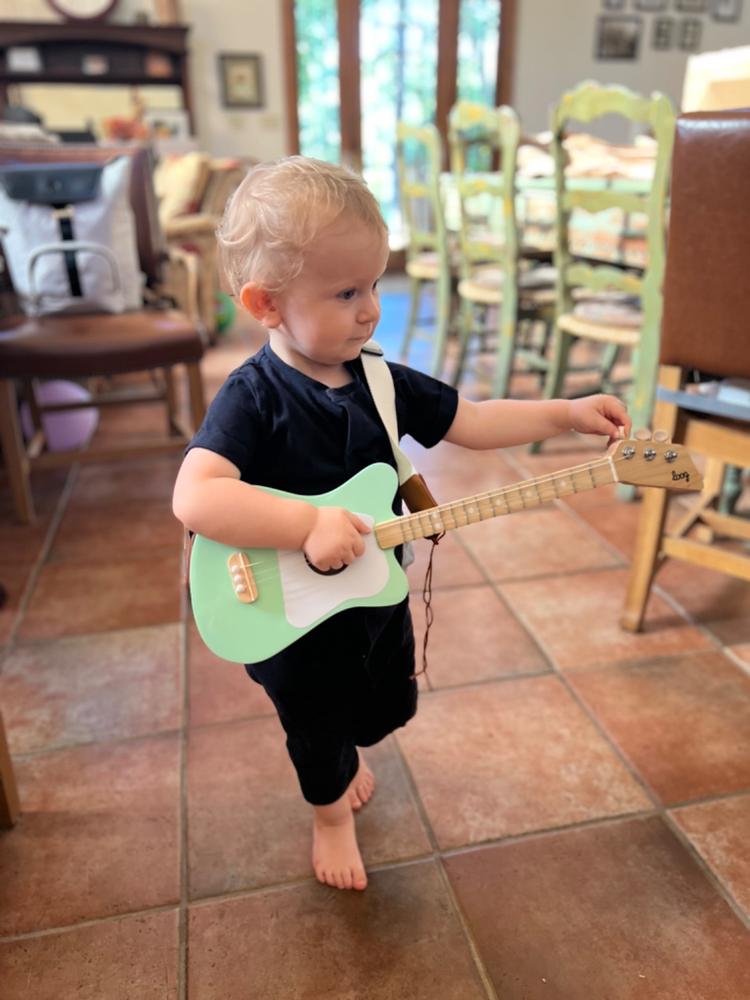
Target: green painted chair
[
  {"x": 496, "y": 291},
  {"x": 419, "y": 159},
  {"x": 617, "y": 307}
]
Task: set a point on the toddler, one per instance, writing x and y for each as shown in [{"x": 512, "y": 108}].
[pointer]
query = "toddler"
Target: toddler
[{"x": 304, "y": 245}]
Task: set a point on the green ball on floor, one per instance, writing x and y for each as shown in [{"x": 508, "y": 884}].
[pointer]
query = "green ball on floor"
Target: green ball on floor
[{"x": 225, "y": 312}]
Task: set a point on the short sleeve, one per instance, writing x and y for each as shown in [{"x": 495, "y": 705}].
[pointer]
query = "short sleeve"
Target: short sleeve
[
  {"x": 424, "y": 405},
  {"x": 232, "y": 426}
]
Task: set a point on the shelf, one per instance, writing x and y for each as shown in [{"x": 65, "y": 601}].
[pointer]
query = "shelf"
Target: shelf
[{"x": 123, "y": 51}]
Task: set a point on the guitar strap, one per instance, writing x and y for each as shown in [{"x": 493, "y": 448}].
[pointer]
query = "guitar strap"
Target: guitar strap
[{"x": 413, "y": 490}]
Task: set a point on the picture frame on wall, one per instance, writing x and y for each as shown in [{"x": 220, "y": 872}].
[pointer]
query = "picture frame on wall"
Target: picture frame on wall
[
  {"x": 726, "y": 10},
  {"x": 662, "y": 36},
  {"x": 617, "y": 37},
  {"x": 241, "y": 79},
  {"x": 613, "y": 4},
  {"x": 691, "y": 6},
  {"x": 691, "y": 29},
  {"x": 651, "y": 5}
]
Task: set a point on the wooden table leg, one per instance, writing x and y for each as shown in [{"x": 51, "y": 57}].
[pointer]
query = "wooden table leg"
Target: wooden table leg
[{"x": 9, "y": 804}]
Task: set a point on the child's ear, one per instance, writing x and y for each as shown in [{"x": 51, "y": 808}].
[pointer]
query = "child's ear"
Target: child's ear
[{"x": 261, "y": 304}]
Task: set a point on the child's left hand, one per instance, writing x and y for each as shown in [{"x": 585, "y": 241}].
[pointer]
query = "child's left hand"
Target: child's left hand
[{"x": 600, "y": 414}]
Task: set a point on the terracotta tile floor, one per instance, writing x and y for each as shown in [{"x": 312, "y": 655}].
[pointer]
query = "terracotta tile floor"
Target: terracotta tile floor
[{"x": 567, "y": 818}]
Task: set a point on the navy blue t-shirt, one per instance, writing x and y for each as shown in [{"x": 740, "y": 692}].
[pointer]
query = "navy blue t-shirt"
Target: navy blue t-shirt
[{"x": 283, "y": 429}]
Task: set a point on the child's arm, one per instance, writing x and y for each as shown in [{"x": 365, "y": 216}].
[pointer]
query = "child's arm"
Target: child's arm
[
  {"x": 210, "y": 498},
  {"x": 501, "y": 423}
]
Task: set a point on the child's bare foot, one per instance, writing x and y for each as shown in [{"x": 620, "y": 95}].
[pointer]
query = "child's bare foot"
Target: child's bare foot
[
  {"x": 362, "y": 786},
  {"x": 336, "y": 858}
]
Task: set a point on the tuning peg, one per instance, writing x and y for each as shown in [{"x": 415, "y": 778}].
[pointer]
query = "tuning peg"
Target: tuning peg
[
  {"x": 642, "y": 434},
  {"x": 662, "y": 437}
]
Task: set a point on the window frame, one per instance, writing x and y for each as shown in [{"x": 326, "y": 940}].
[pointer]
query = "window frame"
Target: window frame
[{"x": 350, "y": 114}]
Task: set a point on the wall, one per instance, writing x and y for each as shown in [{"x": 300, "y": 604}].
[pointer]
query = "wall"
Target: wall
[
  {"x": 218, "y": 26},
  {"x": 555, "y": 50}
]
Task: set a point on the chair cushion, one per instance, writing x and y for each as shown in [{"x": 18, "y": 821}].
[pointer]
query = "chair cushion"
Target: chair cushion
[
  {"x": 425, "y": 265},
  {"x": 606, "y": 322},
  {"x": 99, "y": 344},
  {"x": 180, "y": 183}
]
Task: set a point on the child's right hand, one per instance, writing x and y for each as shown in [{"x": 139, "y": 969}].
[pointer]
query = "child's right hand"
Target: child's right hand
[{"x": 335, "y": 539}]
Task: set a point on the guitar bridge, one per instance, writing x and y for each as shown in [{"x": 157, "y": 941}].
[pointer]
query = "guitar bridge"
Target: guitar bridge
[{"x": 243, "y": 582}]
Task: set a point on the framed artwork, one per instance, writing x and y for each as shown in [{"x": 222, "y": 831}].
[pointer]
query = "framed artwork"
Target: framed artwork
[
  {"x": 662, "y": 37},
  {"x": 691, "y": 6},
  {"x": 690, "y": 34},
  {"x": 613, "y": 4},
  {"x": 241, "y": 80},
  {"x": 726, "y": 10},
  {"x": 651, "y": 5},
  {"x": 617, "y": 37}
]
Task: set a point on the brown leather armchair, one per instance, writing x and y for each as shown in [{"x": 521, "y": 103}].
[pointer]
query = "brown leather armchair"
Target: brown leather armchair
[
  {"x": 100, "y": 347},
  {"x": 705, "y": 329}
]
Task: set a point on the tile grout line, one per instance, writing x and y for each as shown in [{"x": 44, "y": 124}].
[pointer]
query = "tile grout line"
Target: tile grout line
[
  {"x": 41, "y": 559},
  {"x": 437, "y": 858},
  {"x": 723, "y": 891},
  {"x": 660, "y": 808},
  {"x": 668, "y": 598}
]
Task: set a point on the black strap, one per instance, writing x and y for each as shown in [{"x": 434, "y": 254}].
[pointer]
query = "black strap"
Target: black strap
[{"x": 66, "y": 233}]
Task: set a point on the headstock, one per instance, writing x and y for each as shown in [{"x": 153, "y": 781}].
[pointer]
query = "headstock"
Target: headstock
[{"x": 647, "y": 460}]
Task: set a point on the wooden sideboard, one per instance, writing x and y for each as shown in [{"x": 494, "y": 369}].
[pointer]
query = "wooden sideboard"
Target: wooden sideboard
[{"x": 97, "y": 54}]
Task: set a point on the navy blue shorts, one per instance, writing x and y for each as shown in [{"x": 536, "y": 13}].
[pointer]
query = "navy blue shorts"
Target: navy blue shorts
[{"x": 348, "y": 683}]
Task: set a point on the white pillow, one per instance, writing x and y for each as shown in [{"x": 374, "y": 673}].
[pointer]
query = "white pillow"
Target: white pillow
[{"x": 106, "y": 220}]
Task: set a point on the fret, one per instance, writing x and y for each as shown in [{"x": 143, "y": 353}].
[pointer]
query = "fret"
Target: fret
[
  {"x": 436, "y": 521},
  {"x": 425, "y": 524},
  {"x": 473, "y": 512},
  {"x": 456, "y": 509},
  {"x": 591, "y": 476},
  {"x": 534, "y": 489},
  {"x": 500, "y": 498}
]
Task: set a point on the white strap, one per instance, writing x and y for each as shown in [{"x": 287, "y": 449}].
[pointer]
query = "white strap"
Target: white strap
[{"x": 380, "y": 381}]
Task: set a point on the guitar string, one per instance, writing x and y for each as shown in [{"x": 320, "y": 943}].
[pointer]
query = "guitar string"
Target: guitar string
[{"x": 541, "y": 481}]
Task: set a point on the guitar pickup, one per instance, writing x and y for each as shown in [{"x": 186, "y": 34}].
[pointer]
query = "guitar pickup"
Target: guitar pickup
[{"x": 243, "y": 582}]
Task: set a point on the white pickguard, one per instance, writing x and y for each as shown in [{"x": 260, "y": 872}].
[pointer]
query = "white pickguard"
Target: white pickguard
[{"x": 309, "y": 595}]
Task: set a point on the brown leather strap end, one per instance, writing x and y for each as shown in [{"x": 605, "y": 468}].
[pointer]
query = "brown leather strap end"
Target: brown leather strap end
[{"x": 416, "y": 494}]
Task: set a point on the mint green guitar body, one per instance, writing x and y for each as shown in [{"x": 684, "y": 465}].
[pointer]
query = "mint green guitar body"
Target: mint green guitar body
[{"x": 292, "y": 597}]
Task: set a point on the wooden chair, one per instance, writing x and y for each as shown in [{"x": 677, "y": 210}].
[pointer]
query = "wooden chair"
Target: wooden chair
[
  {"x": 195, "y": 231},
  {"x": 419, "y": 159},
  {"x": 493, "y": 280},
  {"x": 586, "y": 308},
  {"x": 152, "y": 341},
  {"x": 706, "y": 316}
]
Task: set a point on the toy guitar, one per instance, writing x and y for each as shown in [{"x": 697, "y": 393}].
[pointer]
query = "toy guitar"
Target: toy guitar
[{"x": 251, "y": 603}]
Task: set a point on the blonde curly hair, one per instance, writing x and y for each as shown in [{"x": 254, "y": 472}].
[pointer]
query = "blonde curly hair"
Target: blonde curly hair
[{"x": 278, "y": 210}]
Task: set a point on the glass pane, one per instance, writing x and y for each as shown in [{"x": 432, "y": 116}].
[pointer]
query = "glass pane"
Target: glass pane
[
  {"x": 398, "y": 54},
  {"x": 478, "y": 43},
  {"x": 318, "y": 79}
]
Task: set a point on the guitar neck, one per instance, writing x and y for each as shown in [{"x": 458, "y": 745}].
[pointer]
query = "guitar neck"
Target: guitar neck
[{"x": 482, "y": 506}]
